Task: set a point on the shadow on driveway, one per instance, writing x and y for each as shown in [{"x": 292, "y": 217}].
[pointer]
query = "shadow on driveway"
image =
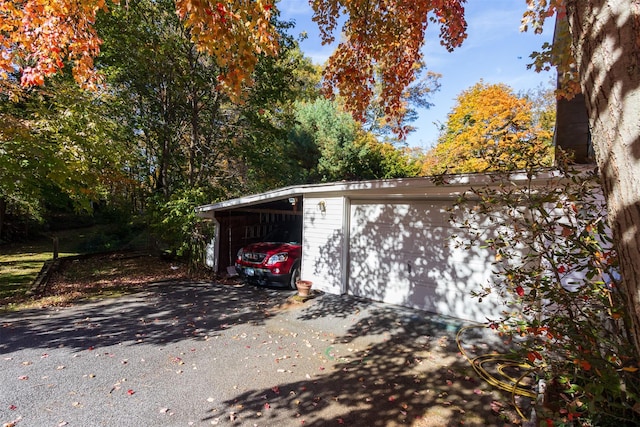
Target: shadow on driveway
[
  {"x": 162, "y": 314},
  {"x": 211, "y": 354}
]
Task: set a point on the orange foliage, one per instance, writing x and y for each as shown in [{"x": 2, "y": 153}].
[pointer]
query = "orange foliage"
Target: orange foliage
[
  {"x": 381, "y": 41},
  {"x": 382, "y": 36},
  {"x": 38, "y": 36},
  {"x": 234, "y": 32}
]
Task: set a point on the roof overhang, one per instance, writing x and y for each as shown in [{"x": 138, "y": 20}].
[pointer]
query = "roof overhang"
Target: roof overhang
[{"x": 445, "y": 186}]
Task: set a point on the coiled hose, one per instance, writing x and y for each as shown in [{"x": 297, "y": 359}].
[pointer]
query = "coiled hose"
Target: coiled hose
[{"x": 505, "y": 381}]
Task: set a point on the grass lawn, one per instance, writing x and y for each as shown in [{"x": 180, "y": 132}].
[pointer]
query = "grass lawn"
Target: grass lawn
[{"x": 20, "y": 263}]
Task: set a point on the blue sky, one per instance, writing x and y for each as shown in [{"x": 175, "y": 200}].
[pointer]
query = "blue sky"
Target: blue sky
[{"x": 495, "y": 51}]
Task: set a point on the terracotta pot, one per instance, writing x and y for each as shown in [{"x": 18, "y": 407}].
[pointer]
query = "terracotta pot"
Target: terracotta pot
[{"x": 304, "y": 286}]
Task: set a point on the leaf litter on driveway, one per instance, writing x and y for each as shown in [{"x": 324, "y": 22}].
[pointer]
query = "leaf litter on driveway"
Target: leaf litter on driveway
[{"x": 354, "y": 365}]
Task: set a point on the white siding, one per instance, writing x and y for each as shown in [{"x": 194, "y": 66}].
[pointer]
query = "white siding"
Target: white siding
[
  {"x": 323, "y": 254},
  {"x": 401, "y": 253}
]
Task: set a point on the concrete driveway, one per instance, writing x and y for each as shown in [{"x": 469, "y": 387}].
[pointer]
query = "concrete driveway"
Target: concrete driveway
[{"x": 212, "y": 354}]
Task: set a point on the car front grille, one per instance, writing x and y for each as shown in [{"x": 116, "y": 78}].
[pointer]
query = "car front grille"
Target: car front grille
[{"x": 253, "y": 257}]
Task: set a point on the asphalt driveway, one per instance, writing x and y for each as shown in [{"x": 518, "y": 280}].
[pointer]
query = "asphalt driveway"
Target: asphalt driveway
[{"x": 213, "y": 354}]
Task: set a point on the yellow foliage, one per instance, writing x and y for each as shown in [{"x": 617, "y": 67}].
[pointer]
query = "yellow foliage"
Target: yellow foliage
[{"x": 490, "y": 129}]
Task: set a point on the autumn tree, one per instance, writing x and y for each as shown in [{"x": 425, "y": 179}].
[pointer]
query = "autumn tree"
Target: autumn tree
[
  {"x": 417, "y": 95},
  {"x": 491, "y": 128},
  {"x": 603, "y": 42},
  {"x": 39, "y": 36}
]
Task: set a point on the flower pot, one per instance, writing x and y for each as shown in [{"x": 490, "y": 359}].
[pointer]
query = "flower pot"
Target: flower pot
[{"x": 304, "y": 286}]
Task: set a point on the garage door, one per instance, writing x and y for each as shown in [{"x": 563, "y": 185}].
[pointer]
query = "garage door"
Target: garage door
[{"x": 401, "y": 253}]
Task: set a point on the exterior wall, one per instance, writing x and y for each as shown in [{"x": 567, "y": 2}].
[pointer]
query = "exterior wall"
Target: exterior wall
[{"x": 323, "y": 239}]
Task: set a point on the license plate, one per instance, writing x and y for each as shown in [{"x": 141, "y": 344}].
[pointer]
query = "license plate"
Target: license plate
[{"x": 249, "y": 271}]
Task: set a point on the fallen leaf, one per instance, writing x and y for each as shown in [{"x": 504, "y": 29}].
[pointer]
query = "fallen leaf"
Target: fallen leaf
[
  {"x": 130, "y": 392},
  {"x": 496, "y": 407},
  {"x": 23, "y": 377},
  {"x": 13, "y": 423},
  {"x": 13, "y": 407},
  {"x": 267, "y": 406}
]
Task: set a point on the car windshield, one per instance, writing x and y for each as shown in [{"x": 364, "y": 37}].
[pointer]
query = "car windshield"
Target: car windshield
[{"x": 284, "y": 235}]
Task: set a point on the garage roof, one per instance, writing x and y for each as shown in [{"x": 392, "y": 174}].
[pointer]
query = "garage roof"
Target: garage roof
[{"x": 445, "y": 186}]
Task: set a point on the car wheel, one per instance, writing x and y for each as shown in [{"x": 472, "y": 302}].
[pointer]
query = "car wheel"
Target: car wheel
[{"x": 295, "y": 276}]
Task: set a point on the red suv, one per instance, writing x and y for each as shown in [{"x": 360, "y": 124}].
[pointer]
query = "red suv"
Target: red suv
[{"x": 275, "y": 261}]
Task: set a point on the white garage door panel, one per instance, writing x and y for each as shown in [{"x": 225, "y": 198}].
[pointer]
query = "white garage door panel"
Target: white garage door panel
[{"x": 400, "y": 253}]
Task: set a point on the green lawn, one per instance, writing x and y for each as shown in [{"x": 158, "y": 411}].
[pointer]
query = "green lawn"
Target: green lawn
[{"x": 20, "y": 265}]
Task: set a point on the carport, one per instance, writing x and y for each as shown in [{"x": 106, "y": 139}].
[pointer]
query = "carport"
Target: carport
[
  {"x": 242, "y": 221},
  {"x": 386, "y": 240}
]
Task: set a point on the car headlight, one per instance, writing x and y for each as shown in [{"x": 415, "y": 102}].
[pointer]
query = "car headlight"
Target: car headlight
[{"x": 279, "y": 257}]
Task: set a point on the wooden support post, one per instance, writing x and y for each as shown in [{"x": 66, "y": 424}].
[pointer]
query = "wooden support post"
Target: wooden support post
[{"x": 55, "y": 247}]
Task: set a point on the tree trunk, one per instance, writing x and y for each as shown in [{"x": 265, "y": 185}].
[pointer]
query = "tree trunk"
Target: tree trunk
[
  {"x": 606, "y": 41},
  {"x": 3, "y": 210}
]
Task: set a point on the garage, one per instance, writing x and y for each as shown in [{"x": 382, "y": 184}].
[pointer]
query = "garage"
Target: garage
[{"x": 385, "y": 240}]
